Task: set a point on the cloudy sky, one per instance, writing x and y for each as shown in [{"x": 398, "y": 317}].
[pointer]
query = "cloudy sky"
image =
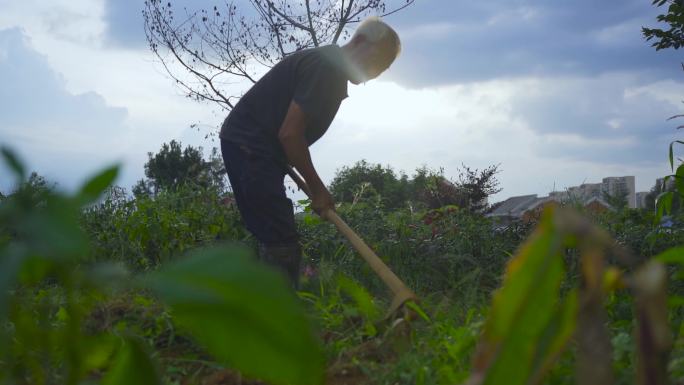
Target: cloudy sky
[{"x": 557, "y": 93}]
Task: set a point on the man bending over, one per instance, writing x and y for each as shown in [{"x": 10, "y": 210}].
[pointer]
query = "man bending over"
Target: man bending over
[{"x": 277, "y": 120}]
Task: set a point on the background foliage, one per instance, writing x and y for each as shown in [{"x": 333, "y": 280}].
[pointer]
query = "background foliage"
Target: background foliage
[{"x": 102, "y": 286}]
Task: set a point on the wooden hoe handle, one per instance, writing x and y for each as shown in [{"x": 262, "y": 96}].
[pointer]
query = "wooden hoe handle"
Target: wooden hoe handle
[{"x": 400, "y": 291}]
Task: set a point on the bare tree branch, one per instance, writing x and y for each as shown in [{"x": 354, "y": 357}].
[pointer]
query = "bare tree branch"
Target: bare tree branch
[
  {"x": 211, "y": 53},
  {"x": 287, "y": 18},
  {"x": 343, "y": 20},
  {"x": 311, "y": 28}
]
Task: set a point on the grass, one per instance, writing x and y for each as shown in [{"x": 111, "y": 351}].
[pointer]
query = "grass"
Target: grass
[{"x": 117, "y": 293}]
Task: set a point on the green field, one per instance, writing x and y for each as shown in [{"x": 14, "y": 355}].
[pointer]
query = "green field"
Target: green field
[{"x": 100, "y": 286}]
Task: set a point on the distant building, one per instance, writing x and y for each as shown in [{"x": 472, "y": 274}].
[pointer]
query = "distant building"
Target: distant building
[
  {"x": 535, "y": 211},
  {"x": 641, "y": 200},
  {"x": 589, "y": 195},
  {"x": 597, "y": 205},
  {"x": 621, "y": 185},
  {"x": 514, "y": 207}
]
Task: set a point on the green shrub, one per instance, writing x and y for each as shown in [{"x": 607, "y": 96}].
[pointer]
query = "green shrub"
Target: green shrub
[
  {"x": 146, "y": 231},
  {"x": 50, "y": 295}
]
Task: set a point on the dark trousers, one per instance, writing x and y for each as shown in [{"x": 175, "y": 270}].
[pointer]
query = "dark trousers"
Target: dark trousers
[{"x": 258, "y": 186}]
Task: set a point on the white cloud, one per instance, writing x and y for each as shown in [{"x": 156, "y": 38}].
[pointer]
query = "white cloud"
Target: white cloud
[
  {"x": 562, "y": 128},
  {"x": 481, "y": 124},
  {"x": 74, "y": 20},
  {"x": 93, "y": 78},
  {"x": 523, "y": 14},
  {"x": 623, "y": 33},
  {"x": 430, "y": 31},
  {"x": 61, "y": 134}
]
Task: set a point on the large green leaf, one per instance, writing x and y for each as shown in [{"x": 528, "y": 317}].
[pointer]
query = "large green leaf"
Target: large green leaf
[
  {"x": 243, "y": 313},
  {"x": 556, "y": 336},
  {"x": 527, "y": 326},
  {"x": 54, "y": 231},
  {"x": 679, "y": 179},
  {"x": 132, "y": 366},
  {"x": 96, "y": 185},
  {"x": 663, "y": 204},
  {"x": 14, "y": 163},
  {"x": 673, "y": 255},
  {"x": 11, "y": 258},
  {"x": 671, "y": 153}
]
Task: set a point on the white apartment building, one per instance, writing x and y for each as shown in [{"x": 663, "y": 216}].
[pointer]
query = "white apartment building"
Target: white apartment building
[{"x": 515, "y": 207}]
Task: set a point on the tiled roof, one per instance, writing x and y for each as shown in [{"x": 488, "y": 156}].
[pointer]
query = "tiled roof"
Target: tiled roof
[{"x": 514, "y": 206}]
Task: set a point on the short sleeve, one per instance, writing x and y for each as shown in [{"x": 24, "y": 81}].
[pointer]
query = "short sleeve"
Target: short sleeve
[{"x": 317, "y": 88}]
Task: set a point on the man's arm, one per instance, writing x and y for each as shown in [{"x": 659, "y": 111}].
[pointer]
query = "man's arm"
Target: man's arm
[{"x": 292, "y": 136}]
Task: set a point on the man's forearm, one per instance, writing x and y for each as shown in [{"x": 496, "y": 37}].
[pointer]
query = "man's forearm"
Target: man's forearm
[{"x": 298, "y": 155}]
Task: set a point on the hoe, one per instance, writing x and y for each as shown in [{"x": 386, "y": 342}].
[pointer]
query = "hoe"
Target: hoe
[{"x": 400, "y": 291}]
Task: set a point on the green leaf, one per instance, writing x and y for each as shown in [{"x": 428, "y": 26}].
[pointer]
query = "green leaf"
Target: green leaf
[
  {"x": 363, "y": 300},
  {"x": 14, "y": 163},
  {"x": 673, "y": 255},
  {"x": 527, "y": 326},
  {"x": 679, "y": 179},
  {"x": 132, "y": 366},
  {"x": 557, "y": 334},
  {"x": 96, "y": 185},
  {"x": 55, "y": 231},
  {"x": 11, "y": 259},
  {"x": 100, "y": 348},
  {"x": 62, "y": 314},
  {"x": 312, "y": 220},
  {"x": 418, "y": 310},
  {"x": 671, "y": 152},
  {"x": 675, "y": 301},
  {"x": 243, "y": 313},
  {"x": 663, "y": 205}
]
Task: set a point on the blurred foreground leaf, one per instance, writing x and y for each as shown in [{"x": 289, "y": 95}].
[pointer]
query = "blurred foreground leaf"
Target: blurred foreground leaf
[
  {"x": 528, "y": 326},
  {"x": 132, "y": 366},
  {"x": 13, "y": 163},
  {"x": 10, "y": 263},
  {"x": 95, "y": 186},
  {"x": 53, "y": 231},
  {"x": 653, "y": 334},
  {"x": 244, "y": 314},
  {"x": 679, "y": 179},
  {"x": 673, "y": 255},
  {"x": 663, "y": 205}
]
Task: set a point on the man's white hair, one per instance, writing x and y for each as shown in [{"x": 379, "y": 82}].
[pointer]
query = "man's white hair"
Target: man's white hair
[{"x": 378, "y": 32}]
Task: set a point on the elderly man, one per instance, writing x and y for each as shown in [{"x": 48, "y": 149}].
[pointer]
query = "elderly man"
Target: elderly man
[{"x": 277, "y": 120}]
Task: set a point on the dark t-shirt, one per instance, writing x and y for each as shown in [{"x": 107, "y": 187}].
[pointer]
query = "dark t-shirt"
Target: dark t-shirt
[{"x": 314, "y": 78}]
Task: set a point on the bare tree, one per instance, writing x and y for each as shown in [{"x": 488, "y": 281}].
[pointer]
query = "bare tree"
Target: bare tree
[{"x": 210, "y": 52}]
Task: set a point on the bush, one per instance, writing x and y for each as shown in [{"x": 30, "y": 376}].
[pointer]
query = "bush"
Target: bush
[
  {"x": 434, "y": 251},
  {"x": 148, "y": 230}
]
